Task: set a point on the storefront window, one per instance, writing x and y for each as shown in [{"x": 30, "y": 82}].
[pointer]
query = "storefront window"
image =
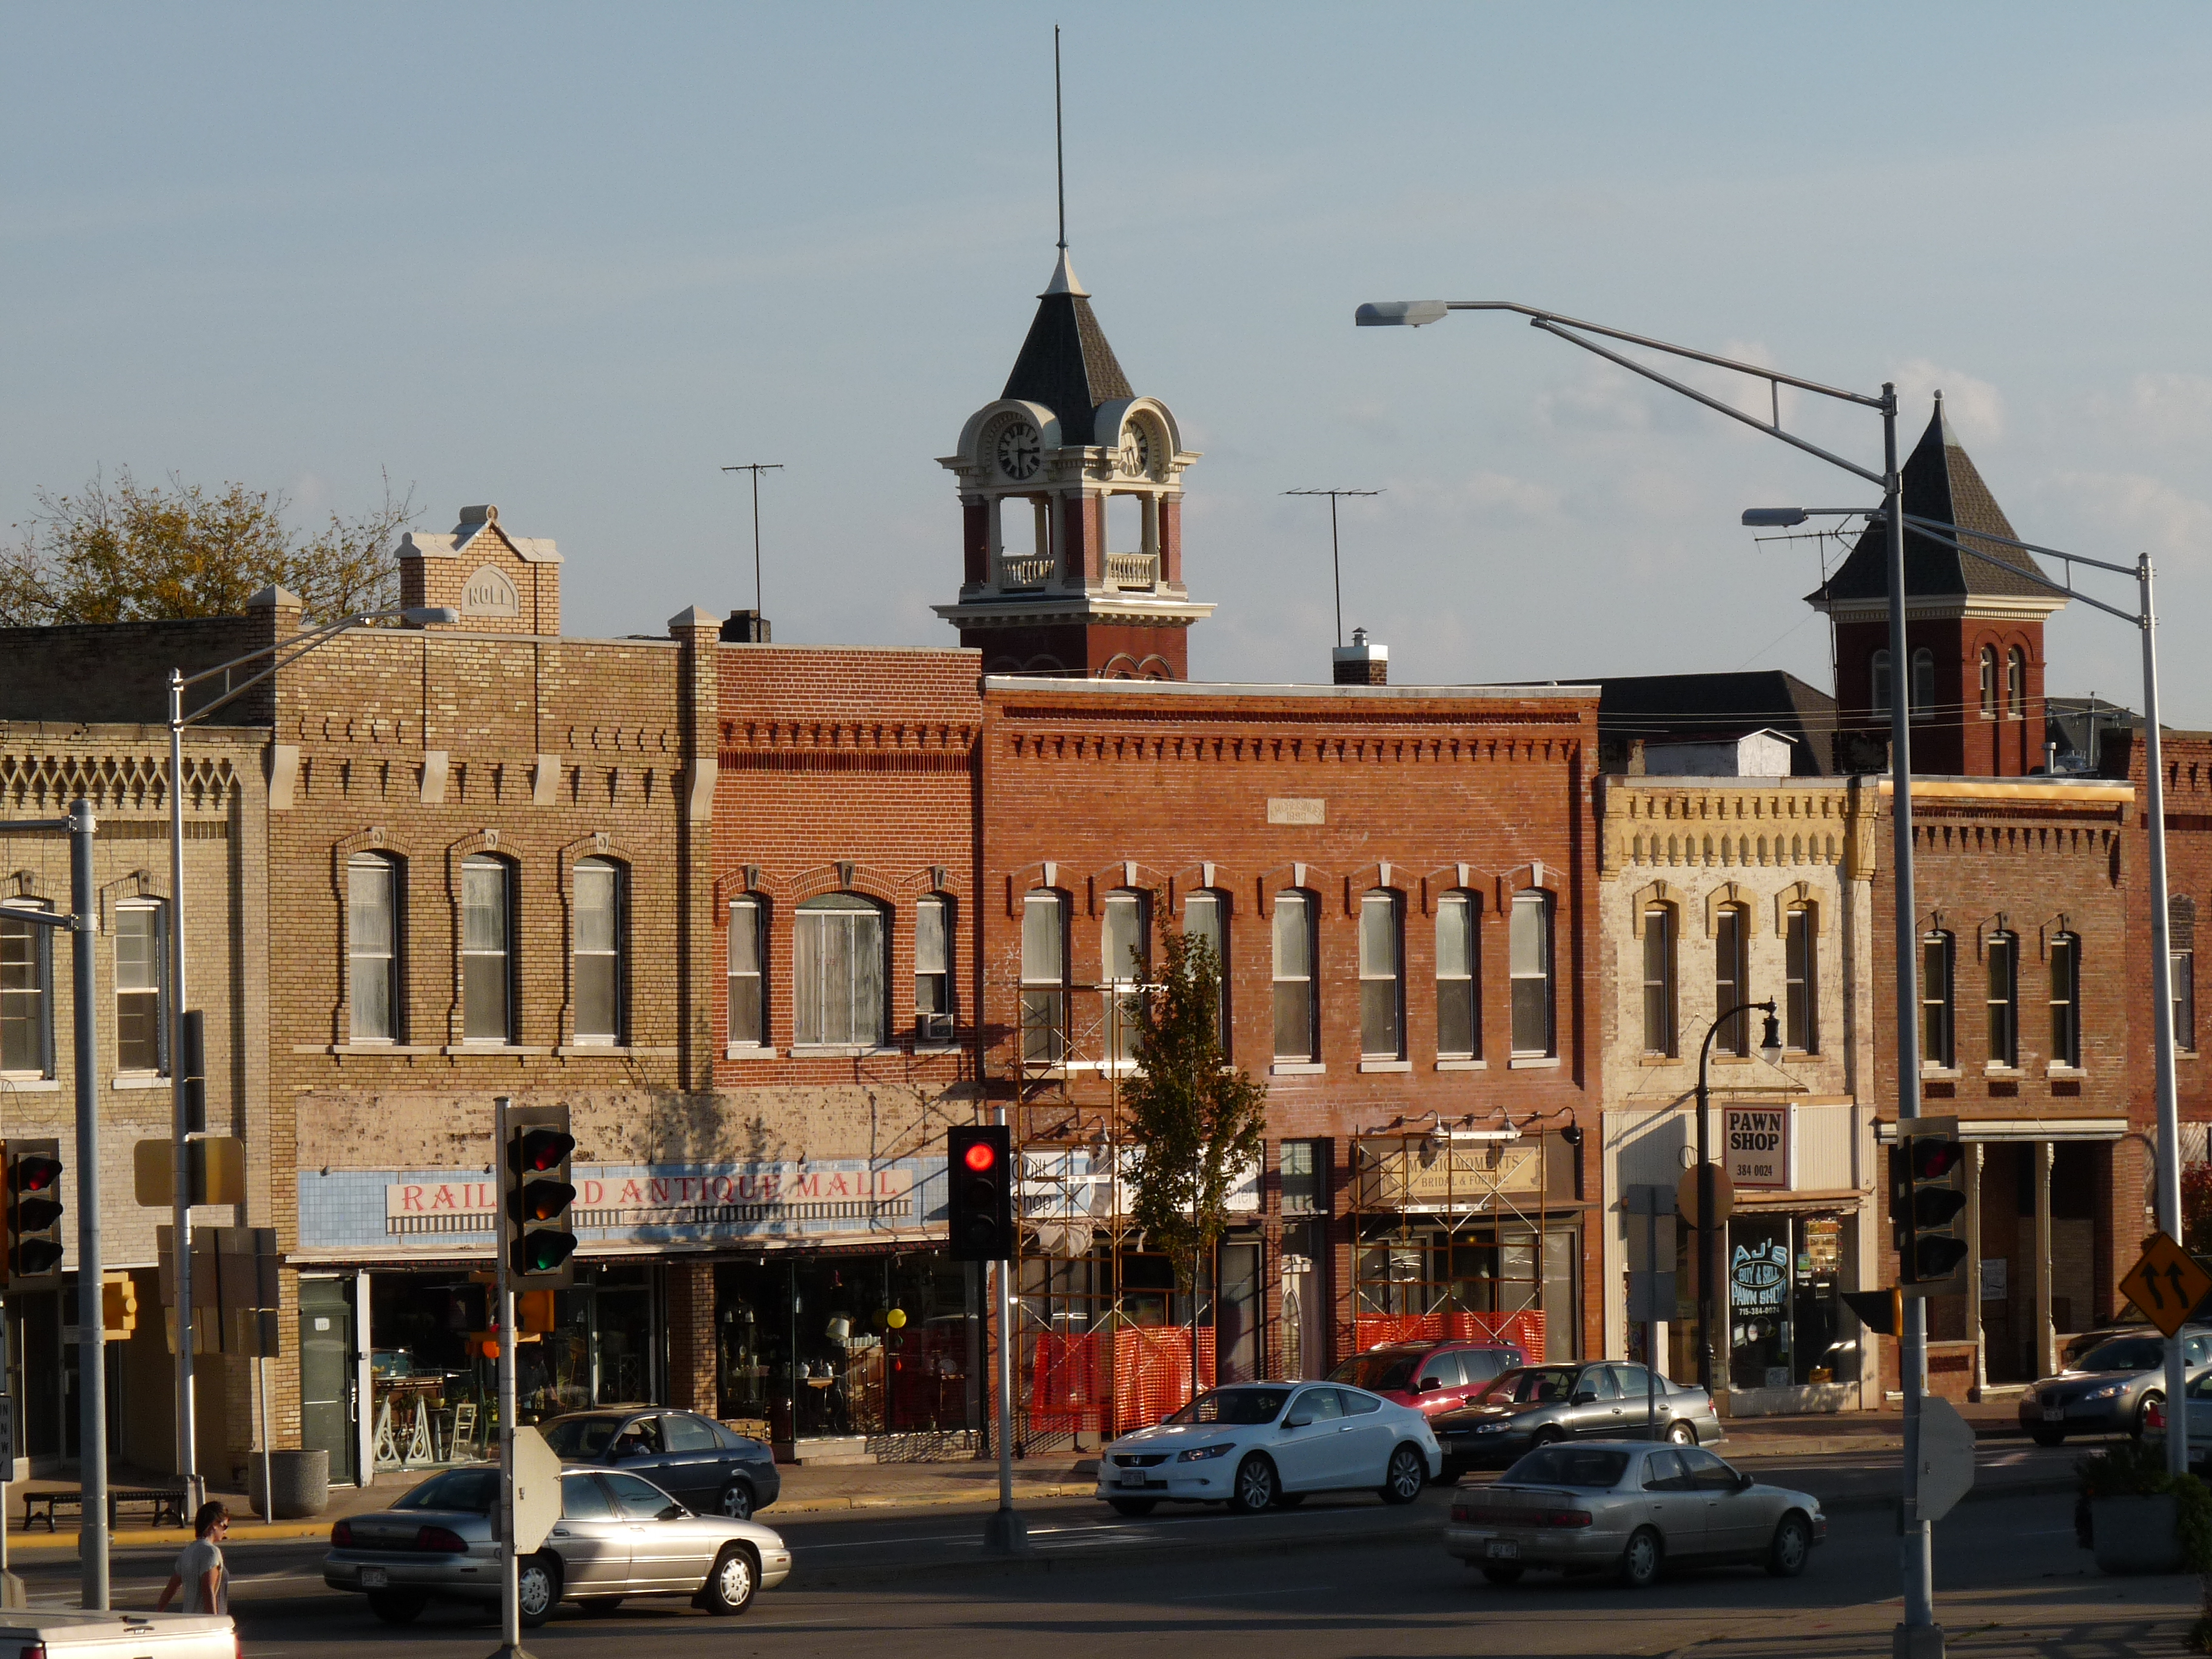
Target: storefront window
[{"x": 1783, "y": 1299}]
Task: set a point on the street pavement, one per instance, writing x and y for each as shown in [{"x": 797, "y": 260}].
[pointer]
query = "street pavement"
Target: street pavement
[{"x": 1343, "y": 1579}]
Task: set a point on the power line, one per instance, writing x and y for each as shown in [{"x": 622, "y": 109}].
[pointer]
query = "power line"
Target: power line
[{"x": 1335, "y": 563}]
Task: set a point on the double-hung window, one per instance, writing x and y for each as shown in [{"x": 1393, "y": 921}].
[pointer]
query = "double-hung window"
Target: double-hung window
[
  {"x": 1302, "y": 1194},
  {"x": 487, "y": 955},
  {"x": 748, "y": 960},
  {"x": 1528, "y": 951},
  {"x": 373, "y": 947},
  {"x": 1297, "y": 1029},
  {"x": 2181, "y": 960},
  {"x": 1800, "y": 980},
  {"x": 1936, "y": 1023},
  {"x": 599, "y": 951},
  {"x": 1659, "y": 979},
  {"x": 1044, "y": 979},
  {"x": 1382, "y": 978},
  {"x": 1205, "y": 917},
  {"x": 1125, "y": 960},
  {"x": 2000, "y": 956},
  {"x": 26, "y": 995},
  {"x": 837, "y": 973},
  {"x": 1459, "y": 979},
  {"x": 2065, "y": 1000},
  {"x": 1732, "y": 978},
  {"x": 141, "y": 988},
  {"x": 933, "y": 970}
]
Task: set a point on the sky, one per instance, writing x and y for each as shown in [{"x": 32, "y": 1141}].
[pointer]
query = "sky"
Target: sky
[{"x": 574, "y": 259}]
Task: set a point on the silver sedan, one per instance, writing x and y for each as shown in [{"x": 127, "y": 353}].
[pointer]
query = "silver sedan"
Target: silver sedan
[
  {"x": 618, "y": 1535},
  {"x": 1630, "y": 1508}
]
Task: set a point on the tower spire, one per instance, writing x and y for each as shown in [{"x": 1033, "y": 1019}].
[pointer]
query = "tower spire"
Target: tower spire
[{"x": 1058, "y": 149}]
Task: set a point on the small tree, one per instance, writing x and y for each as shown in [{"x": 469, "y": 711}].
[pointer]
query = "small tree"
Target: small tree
[
  {"x": 1197, "y": 1123},
  {"x": 129, "y": 552}
]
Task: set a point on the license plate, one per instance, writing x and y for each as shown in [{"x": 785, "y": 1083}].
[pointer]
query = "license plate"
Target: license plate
[
  {"x": 1132, "y": 1477},
  {"x": 1504, "y": 1549},
  {"x": 374, "y": 1578},
  {"x": 2054, "y": 1414}
]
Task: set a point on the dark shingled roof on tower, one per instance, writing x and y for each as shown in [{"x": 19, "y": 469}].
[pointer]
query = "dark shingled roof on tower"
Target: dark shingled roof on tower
[
  {"x": 1941, "y": 482},
  {"x": 1066, "y": 363}
]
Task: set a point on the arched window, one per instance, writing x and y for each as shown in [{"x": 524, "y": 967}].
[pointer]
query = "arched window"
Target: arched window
[
  {"x": 2001, "y": 955},
  {"x": 1923, "y": 684},
  {"x": 838, "y": 980},
  {"x": 1732, "y": 978},
  {"x": 1659, "y": 979},
  {"x": 487, "y": 960},
  {"x": 1936, "y": 1022},
  {"x": 1125, "y": 955},
  {"x": 748, "y": 971},
  {"x": 2065, "y": 1000},
  {"x": 599, "y": 951},
  {"x": 1381, "y": 977},
  {"x": 1528, "y": 951},
  {"x": 373, "y": 933},
  {"x": 1800, "y": 980},
  {"x": 2015, "y": 684},
  {"x": 933, "y": 970},
  {"x": 1459, "y": 977},
  {"x": 2181, "y": 958},
  {"x": 1297, "y": 1025},
  {"x": 1879, "y": 674},
  {"x": 1044, "y": 978},
  {"x": 1989, "y": 667},
  {"x": 26, "y": 994},
  {"x": 1206, "y": 916}
]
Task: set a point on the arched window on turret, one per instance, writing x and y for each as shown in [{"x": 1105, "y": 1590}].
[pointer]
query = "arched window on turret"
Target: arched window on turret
[
  {"x": 1989, "y": 666},
  {"x": 1923, "y": 684},
  {"x": 1881, "y": 676},
  {"x": 2015, "y": 684}
]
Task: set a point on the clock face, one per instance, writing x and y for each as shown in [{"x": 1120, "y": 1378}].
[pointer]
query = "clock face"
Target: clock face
[
  {"x": 1137, "y": 451},
  {"x": 1020, "y": 452}
]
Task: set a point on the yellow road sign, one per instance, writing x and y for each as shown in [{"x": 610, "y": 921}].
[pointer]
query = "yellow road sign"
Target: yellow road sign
[{"x": 2167, "y": 1283}]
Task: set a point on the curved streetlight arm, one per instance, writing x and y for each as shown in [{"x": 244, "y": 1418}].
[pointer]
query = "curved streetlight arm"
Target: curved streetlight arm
[{"x": 298, "y": 646}]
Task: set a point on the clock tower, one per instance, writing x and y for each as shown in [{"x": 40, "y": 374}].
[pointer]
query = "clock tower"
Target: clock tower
[{"x": 1070, "y": 492}]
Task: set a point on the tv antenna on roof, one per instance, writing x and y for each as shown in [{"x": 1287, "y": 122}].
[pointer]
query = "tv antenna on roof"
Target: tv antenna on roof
[
  {"x": 1335, "y": 564},
  {"x": 757, "y": 468}
]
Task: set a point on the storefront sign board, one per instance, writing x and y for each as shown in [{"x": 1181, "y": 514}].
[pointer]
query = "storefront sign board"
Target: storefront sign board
[
  {"x": 1760, "y": 1146},
  {"x": 1394, "y": 1175}
]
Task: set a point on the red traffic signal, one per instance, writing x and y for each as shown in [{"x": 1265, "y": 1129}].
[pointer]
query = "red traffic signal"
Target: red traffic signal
[
  {"x": 537, "y": 1231},
  {"x": 536, "y": 1150},
  {"x": 1928, "y": 1201},
  {"x": 980, "y": 1156},
  {"x": 979, "y": 1209},
  {"x": 34, "y": 1210}
]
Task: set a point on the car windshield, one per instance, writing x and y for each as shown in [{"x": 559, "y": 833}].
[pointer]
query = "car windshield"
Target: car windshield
[
  {"x": 1380, "y": 1372},
  {"x": 2123, "y": 1354},
  {"x": 1245, "y": 1405},
  {"x": 1533, "y": 1385},
  {"x": 1569, "y": 1465},
  {"x": 473, "y": 1490},
  {"x": 581, "y": 1437}
]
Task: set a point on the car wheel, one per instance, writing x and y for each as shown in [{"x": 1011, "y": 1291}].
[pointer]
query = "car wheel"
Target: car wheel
[
  {"x": 2047, "y": 1437},
  {"x": 1502, "y": 1576},
  {"x": 2142, "y": 1412},
  {"x": 395, "y": 1606},
  {"x": 1547, "y": 1436},
  {"x": 729, "y": 1588},
  {"x": 1791, "y": 1548},
  {"x": 1289, "y": 1500},
  {"x": 600, "y": 1603},
  {"x": 1682, "y": 1434},
  {"x": 537, "y": 1589},
  {"x": 1640, "y": 1561},
  {"x": 1134, "y": 1505},
  {"x": 1408, "y": 1472},
  {"x": 1255, "y": 1487},
  {"x": 736, "y": 1502}
]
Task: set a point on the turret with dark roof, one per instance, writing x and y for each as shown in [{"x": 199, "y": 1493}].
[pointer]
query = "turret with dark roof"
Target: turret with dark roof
[{"x": 1066, "y": 363}]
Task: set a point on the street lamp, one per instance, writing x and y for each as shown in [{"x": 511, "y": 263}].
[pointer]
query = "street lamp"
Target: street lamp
[
  {"x": 1917, "y": 1559},
  {"x": 2144, "y": 619},
  {"x": 1770, "y": 1050},
  {"x": 181, "y": 1105}
]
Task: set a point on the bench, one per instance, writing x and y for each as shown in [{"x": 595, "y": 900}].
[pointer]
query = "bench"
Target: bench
[{"x": 166, "y": 1504}]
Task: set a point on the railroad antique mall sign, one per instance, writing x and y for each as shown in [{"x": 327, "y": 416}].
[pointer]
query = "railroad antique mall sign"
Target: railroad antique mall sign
[{"x": 1759, "y": 1147}]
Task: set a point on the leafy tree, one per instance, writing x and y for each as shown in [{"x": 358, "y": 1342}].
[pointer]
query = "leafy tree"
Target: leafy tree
[
  {"x": 131, "y": 552},
  {"x": 1197, "y": 1123}
]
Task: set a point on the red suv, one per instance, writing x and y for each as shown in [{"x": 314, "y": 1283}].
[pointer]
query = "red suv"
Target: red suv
[{"x": 1429, "y": 1376}]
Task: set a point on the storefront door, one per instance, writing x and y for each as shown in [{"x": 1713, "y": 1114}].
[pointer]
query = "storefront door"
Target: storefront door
[{"x": 328, "y": 1411}]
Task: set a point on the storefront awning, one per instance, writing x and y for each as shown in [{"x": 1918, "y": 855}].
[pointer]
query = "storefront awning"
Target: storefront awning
[{"x": 2023, "y": 1128}]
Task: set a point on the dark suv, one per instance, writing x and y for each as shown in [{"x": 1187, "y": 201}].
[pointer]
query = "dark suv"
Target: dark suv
[
  {"x": 694, "y": 1459},
  {"x": 1429, "y": 1376}
]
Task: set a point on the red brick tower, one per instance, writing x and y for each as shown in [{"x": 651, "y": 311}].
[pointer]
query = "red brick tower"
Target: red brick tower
[
  {"x": 1070, "y": 489},
  {"x": 1974, "y": 631}
]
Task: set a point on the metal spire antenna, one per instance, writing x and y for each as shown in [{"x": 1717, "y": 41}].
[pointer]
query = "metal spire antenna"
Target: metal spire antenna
[
  {"x": 1336, "y": 564},
  {"x": 1059, "y": 143},
  {"x": 757, "y": 468}
]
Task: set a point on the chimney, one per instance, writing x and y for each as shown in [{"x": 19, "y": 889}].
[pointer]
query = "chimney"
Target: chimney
[
  {"x": 745, "y": 627},
  {"x": 1360, "y": 663}
]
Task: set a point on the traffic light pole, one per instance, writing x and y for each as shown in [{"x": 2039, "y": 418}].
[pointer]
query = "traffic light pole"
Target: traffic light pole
[
  {"x": 510, "y": 1605},
  {"x": 91, "y": 1323},
  {"x": 1006, "y": 1532}
]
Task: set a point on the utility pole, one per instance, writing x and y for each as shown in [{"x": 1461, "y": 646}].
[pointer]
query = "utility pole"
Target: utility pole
[
  {"x": 1335, "y": 563},
  {"x": 757, "y": 468}
]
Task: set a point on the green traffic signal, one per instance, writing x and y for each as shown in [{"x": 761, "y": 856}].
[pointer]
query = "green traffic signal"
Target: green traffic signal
[{"x": 543, "y": 1252}]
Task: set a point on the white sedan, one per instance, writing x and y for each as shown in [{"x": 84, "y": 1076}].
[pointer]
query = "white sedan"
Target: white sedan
[{"x": 1262, "y": 1443}]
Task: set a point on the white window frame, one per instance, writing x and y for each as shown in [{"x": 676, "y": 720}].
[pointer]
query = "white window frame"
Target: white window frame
[
  {"x": 158, "y": 934},
  {"x": 1382, "y": 912},
  {"x": 815, "y": 996},
  {"x": 935, "y": 1027},
  {"x": 614, "y": 952},
  {"x": 1297, "y": 973},
  {"x": 1045, "y": 983},
  {"x": 1213, "y": 904},
  {"x": 484, "y": 864},
  {"x": 1462, "y": 910},
  {"x": 748, "y": 920},
  {"x": 1532, "y": 924},
  {"x": 1659, "y": 941},
  {"x": 39, "y": 992},
  {"x": 360, "y": 962}
]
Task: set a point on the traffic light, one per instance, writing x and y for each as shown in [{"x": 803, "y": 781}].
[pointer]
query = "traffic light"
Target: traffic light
[
  {"x": 34, "y": 1214},
  {"x": 535, "y": 1196},
  {"x": 980, "y": 1205},
  {"x": 1928, "y": 1194},
  {"x": 118, "y": 1306}
]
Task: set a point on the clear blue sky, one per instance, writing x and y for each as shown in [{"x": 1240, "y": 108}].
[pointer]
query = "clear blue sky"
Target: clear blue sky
[{"x": 572, "y": 259}]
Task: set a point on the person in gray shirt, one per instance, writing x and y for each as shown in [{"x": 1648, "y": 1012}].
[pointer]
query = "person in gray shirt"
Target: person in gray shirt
[{"x": 199, "y": 1572}]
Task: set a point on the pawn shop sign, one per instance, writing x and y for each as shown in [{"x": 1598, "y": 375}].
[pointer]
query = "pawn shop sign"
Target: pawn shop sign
[{"x": 2166, "y": 1284}]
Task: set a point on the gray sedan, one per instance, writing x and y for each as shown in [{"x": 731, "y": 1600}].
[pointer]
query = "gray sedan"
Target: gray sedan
[
  {"x": 618, "y": 1535},
  {"x": 1630, "y": 1508},
  {"x": 2109, "y": 1389},
  {"x": 1534, "y": 1405}
]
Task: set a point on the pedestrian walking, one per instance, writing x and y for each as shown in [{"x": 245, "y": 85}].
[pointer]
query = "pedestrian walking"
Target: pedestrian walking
[{"x": 199, "y": 1572}]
